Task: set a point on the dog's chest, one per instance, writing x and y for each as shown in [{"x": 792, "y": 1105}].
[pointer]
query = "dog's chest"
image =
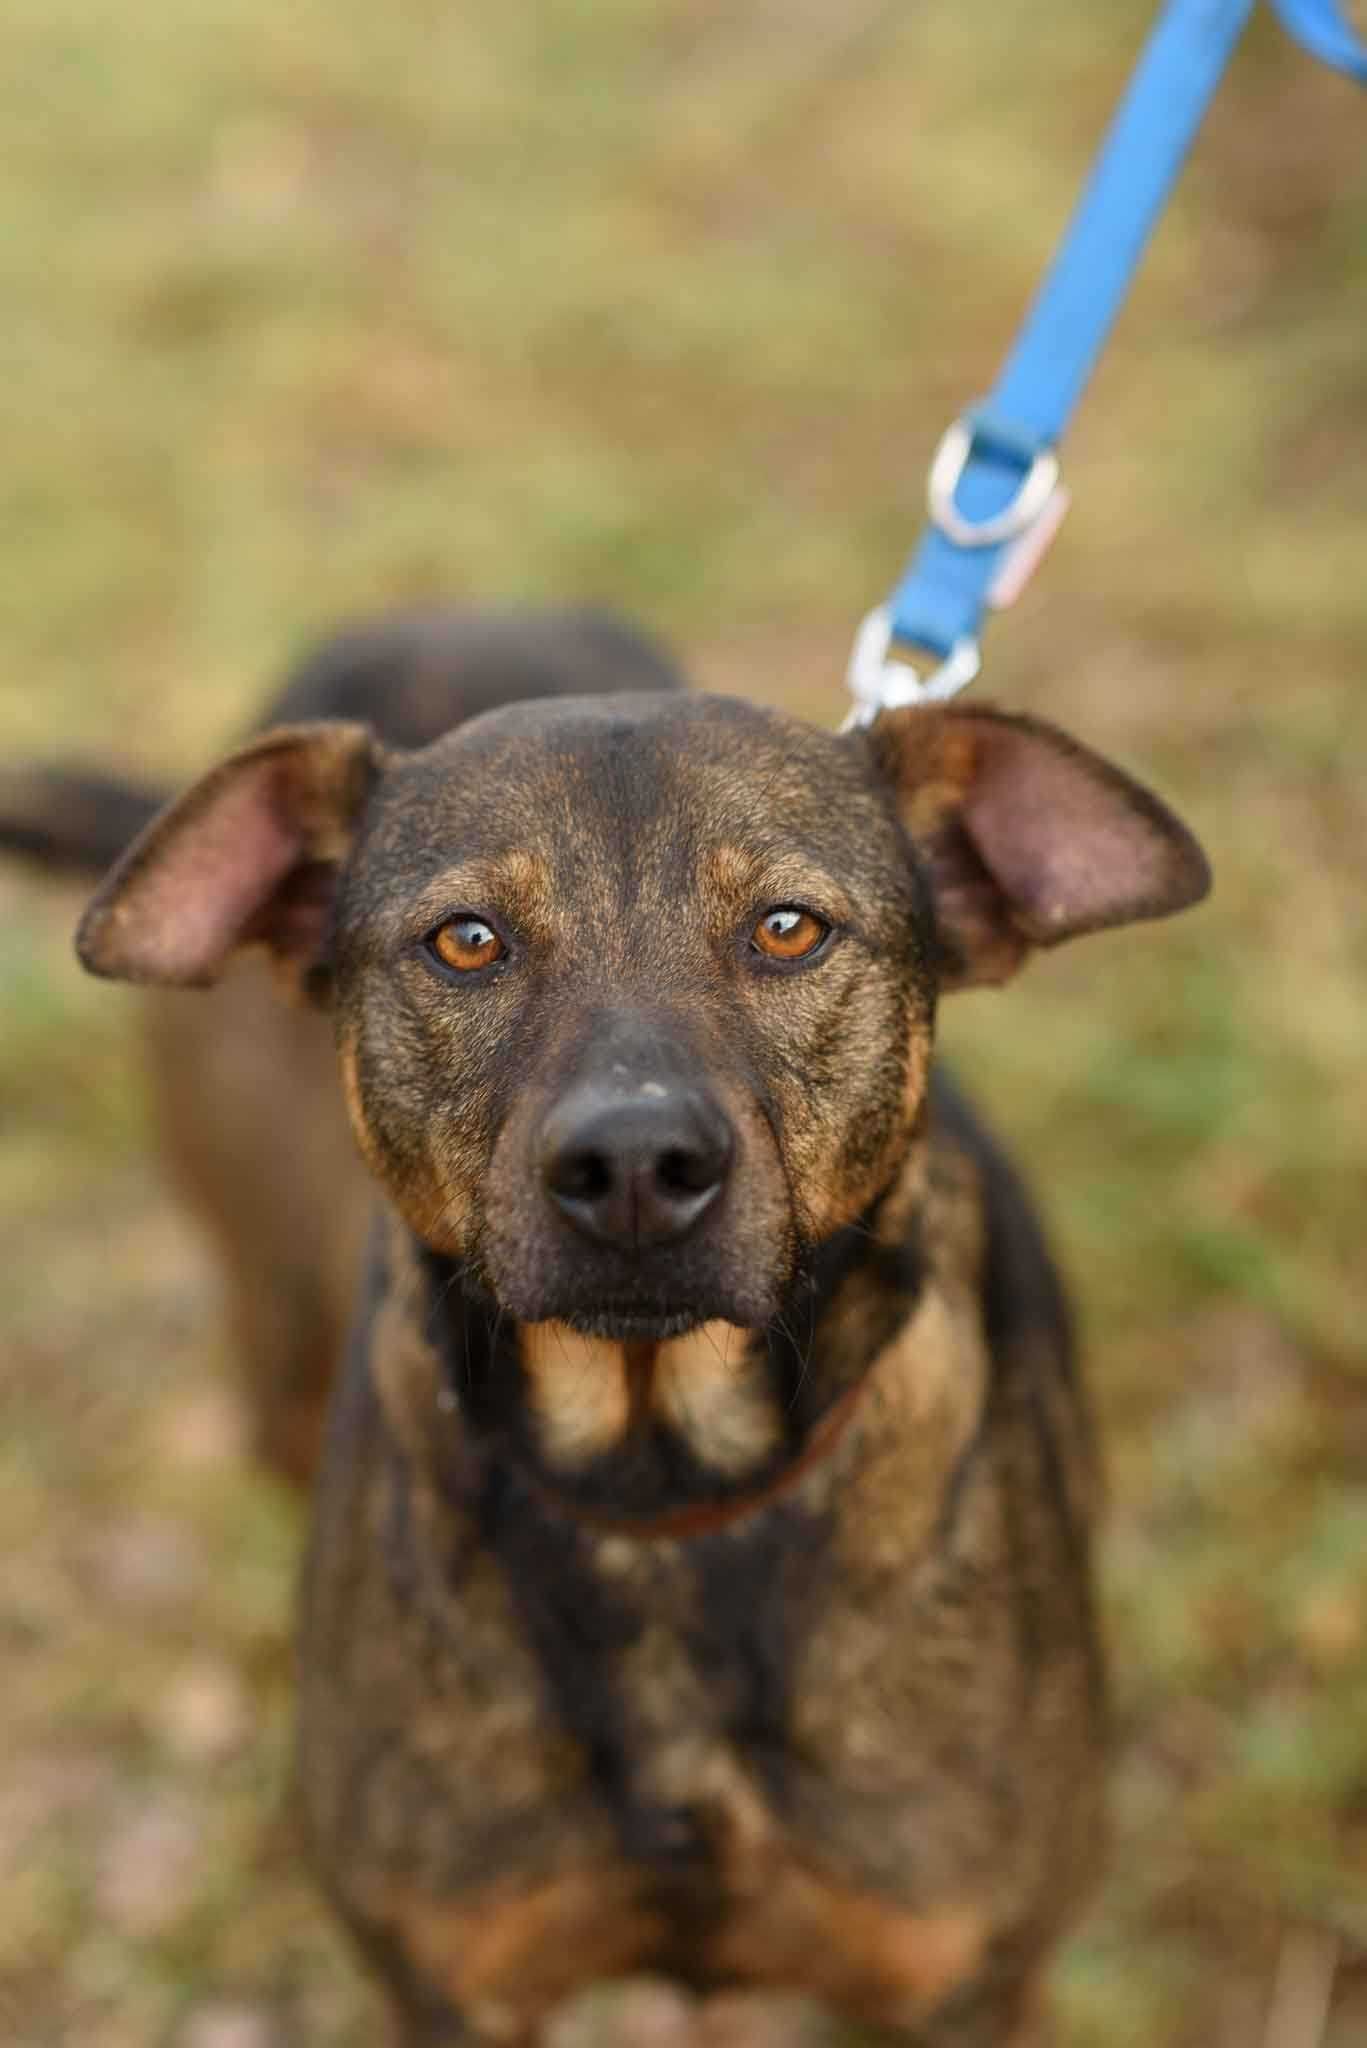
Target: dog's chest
[
  {"x": 779, "y": 1675},
  {"x": 672, "y": 1663},
  {"x": 644, "y": 1784},
  {"x": 771, "y": 1751}
]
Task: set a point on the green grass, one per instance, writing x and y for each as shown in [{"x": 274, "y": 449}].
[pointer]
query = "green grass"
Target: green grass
[{"x": 317, "y": 309}]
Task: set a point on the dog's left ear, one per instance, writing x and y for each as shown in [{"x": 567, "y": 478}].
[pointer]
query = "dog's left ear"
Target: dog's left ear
[
  {"x": 1028, "y": 838},
  {"x": 249, "y": 856}
]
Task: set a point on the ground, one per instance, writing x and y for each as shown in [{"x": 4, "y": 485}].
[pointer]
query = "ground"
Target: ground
[{"x": 319, "y": 309}]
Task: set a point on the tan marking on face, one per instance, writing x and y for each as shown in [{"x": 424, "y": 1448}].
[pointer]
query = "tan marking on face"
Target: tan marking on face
[
  {"x": 578, "y": 1391},
  {"x": 823, "y": 1202},
  {"x": 432, "y": 1205},
  {"x": 439, "y": 1215},
  {"x": 355, "y": 1108},
  {"x": 505, "y": 1959},
  {"x": 728, "y": 872},
  {"x": 918, "y": 1069},
  {"x": 519, "y": 883},
  {"x": 437, "y": 1211},
  {"x": 715, "y": 1393},
  {"x": 738, "y": 879}
]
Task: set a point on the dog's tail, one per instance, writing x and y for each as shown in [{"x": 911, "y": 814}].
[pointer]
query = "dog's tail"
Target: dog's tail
[{"x": 70, "y": 820}]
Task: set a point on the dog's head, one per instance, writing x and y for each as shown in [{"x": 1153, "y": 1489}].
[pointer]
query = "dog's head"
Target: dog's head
[{"x": 634, "y": 995}]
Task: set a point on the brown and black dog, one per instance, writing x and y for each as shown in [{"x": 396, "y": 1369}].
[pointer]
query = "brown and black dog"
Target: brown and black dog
[{"x": 699, "y": 1576}]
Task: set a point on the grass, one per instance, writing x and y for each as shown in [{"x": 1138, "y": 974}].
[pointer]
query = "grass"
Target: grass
[{"x": 315, "y": 310}]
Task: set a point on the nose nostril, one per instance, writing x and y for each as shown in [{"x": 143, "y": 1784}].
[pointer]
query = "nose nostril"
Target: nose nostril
[
  {"x": 583, "y": 1176},
  {"x": 682, "y": 1171}
]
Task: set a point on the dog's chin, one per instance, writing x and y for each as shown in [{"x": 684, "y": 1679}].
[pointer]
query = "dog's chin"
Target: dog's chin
[
  {"x": 634, "y": 1325},
  {"x": 646, "y": 1300},
  {"x": 640, "y": 1316}
]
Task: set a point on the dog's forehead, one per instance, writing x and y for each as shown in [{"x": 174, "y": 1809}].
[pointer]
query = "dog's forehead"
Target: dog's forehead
[{"x": 619, "y": 776}]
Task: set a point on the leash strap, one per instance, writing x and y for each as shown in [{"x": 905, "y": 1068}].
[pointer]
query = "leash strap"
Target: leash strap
[{"x": 994, "y": 492}]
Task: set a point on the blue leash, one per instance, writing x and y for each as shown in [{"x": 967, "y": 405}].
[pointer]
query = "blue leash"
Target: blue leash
[{"x": 994, "y": 491}]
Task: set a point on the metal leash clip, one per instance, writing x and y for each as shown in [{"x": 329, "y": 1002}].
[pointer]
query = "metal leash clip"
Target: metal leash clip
[
  {"x": 965, "y": 565},
  {"x": 878, "y": 681}
]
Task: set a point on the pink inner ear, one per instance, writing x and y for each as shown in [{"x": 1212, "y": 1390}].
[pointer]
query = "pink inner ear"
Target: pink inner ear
[
  {"x": 199, "y": 891},
  {"x": 1072, "y": 843}
]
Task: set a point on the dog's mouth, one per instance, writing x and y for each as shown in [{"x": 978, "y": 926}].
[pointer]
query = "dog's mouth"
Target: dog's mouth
[
  {"x": 631, "y": 1323},
  {"x": 608, "y": 1307},
  {"x": 648, "y": 1298}
]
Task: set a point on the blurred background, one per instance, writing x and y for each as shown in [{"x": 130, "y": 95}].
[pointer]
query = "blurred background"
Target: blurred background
[{"x": 321, "y": 309}]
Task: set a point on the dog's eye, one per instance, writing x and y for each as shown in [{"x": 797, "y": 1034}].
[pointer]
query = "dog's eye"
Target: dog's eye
[
  {"x": 466, "y": 943},
  {"x": 788, "y": 933}
]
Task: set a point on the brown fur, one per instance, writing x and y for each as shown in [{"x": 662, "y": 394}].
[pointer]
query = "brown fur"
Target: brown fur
[{"x": 715, "y": 1605}]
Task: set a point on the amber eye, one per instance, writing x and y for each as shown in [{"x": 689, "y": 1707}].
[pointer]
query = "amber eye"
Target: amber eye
[
  {"x": 466, "y": 943},
  {"x": 788, "y": 933}
]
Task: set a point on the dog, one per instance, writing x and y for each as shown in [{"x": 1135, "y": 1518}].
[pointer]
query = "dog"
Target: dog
[{"x": 699, "y": 1580}]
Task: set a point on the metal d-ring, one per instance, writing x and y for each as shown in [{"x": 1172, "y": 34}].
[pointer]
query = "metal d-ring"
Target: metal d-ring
[{"x": 951, "y": 459}]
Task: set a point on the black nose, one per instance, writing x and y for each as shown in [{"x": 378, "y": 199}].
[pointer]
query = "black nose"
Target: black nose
[{"x": 638, "y": 1169}]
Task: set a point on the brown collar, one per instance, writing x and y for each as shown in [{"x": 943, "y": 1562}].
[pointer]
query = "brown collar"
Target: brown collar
[{"x": 702, "y": 1517}]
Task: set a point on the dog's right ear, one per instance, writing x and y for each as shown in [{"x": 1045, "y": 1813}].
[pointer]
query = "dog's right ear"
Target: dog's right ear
[{"x": 249, "y": 855}]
